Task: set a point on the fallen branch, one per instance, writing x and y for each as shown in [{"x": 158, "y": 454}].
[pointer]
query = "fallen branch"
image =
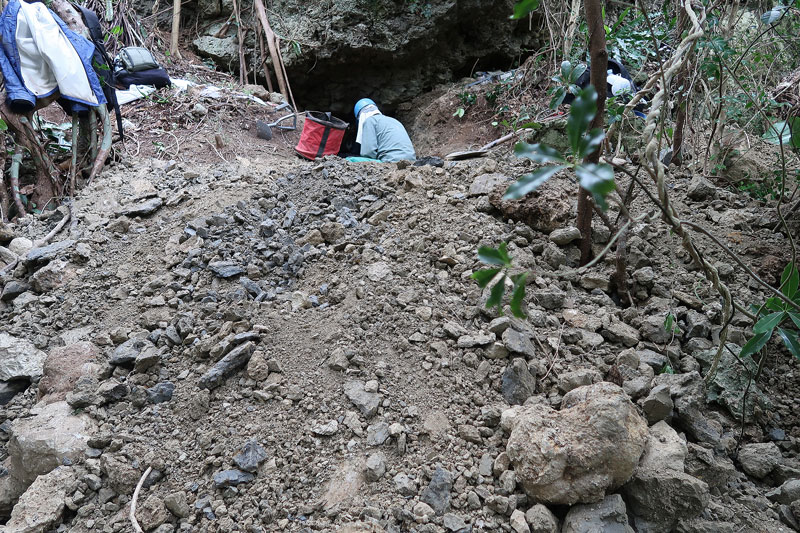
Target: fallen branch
[
  {"x": 47, "y": 238},
  {"x": 136, "y": 527}
]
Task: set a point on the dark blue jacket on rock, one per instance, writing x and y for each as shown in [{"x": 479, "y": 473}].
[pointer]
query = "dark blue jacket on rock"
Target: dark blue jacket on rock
[{"x": 40, "y": 55}]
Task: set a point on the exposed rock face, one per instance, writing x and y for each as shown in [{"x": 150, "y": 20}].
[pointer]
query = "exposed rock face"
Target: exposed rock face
[
  {"x": 43, "y": 504},
  {"x": 574, "y": 455},
  {"x": 381, "y": 49}
]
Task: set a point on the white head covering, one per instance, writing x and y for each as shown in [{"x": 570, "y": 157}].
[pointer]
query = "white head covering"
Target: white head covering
[{"x": 365, "y": 113}]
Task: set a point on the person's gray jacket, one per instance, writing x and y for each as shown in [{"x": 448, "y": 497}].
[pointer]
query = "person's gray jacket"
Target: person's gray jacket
[{"x": 386, "y": 139}]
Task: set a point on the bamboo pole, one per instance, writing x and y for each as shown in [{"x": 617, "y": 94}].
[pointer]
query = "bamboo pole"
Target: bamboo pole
[{"x": 273, "y": 50}]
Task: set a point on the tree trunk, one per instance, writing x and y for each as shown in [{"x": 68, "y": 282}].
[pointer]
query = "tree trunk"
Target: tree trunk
[
  {"x": 176, "y": 29},
  {"x": 682, "y": 82},
  {"x": 599, "y": 56}
]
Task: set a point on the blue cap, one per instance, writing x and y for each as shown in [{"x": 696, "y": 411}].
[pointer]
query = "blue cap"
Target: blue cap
[{"x": 361, "y": 104}]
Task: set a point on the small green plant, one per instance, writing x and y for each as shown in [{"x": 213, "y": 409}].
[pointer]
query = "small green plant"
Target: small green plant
[
  {"x": 467, "y": 98},
  {"x": 671, "y": 324},
  {"x": 501, "y": 262},
  {"x": 782, "y": 313},
  {"x": 567, "y": 81},
  {"x": 521, "y": 9},
  {"x": 459, "y": 113},
  {"x": 666, "y": 369},
  {"x": 598, "y": 179}
]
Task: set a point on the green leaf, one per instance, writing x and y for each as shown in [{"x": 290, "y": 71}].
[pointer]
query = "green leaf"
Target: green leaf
[
  {"x": 538, "y": 153},
  {"x": 769, "y": 322},
  {"x": 530, "y": 182},
  {"x": 566, "y": 70},
  {"x": 518, "y": 295},
  {"x": 790, "y": 280},
  {"x": 524, "y": 7},
  {"x": 778, "y": 133},
  {"x": 668, "y": 322},
  {"x": 558, "y": 97},
  {"x": 590, "y": 142},
  {"x": 755, "y": 344},
  {"x": 773, "y": 15},
  {"x": 774, "y": 303},
  {"x": 581, "y": 113},
  {"x": 598, "y": 180},
  {"x": 483, "y": 277},
  {"x": 576, "y": 73},
  {"x": 459, "y": 112},
  {"x": 789, "y": 338},
  {"x": 496, "y": 296},
  {"x": 795, "y": 318},
  {"x": 3, "y": 125},
  {"x": 494, "y": 256}
]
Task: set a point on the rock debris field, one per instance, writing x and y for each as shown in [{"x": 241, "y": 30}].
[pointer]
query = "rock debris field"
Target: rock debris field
[{"x": 298, "y": 346}]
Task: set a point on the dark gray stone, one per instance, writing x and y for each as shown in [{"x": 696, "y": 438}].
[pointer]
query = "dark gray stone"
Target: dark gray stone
[
  {"x": 437, "y": 493},
  {"x": 9, "y": 389},
  {"x": 608, "y": 516},
  {"x": 235, "y": 360},
  {"x": 46, "y": 253},
  {"x": 697, "y": 325},
  {"x": 518, "y": 384},
  {"x": 14, "y": 288},
  {"x": 251, "y": 456},
  {"x": 517, "y": 342},
  {"x": 128, "y": 351},
  {"x": 141, "y": 209},
  {"x": 655, "y": 360},
  {"x": 786, "y": 493},
  {"x": 160, "y": 393},
  {"x": 231, "y": 478},
  {"x": 225, "y": 269},
  {"x": 658, "y": 404}
]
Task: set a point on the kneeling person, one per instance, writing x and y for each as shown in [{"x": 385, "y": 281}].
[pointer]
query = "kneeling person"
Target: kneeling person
[{"x": 381, "y": 137}]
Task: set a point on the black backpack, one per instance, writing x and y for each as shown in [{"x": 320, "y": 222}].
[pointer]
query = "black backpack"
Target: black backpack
[{"x": 102, "y": 64}]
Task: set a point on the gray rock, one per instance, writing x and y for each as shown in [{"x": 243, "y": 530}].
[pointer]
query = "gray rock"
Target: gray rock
[
  {"x": 607, "y": 516},
  {"x": 42, "y": 506},
  {"x": 9, "y": 389},
  {"x": 223, "y": 51},
  {"x": 437, "y": 493},
  {"x": 786, "y": 493},
  {"x": 655, "y": 360},
  {"x": 518, "y": 523},
  {"x": 795, "y": 508},
  {"x": 228, "y": 365},
  {"x": 697, "y": 325},
  {"x": 578, "y": 378},
  {"x": 20, "y": 359},
  {"x": 231, "y": 478},
  {"x": 758, "y": 460},
  {"x": 541, "y": 520},
  {"x": 161, "y": 392},
  {"x": 129, "y": 351},
  {"x": 549, "y": 298},
  {"x": 471, "y": 341},
  {"x": 375, "y": 467},
  {"x": 455, "y": 523},
  {"x": 377, "y": 433},
  {"x": 518, "y": 384},
  {"x": 660, "y": 492},
  {"x": 112, "y": 390},
  {"x": 405, "y": 485},
  {"x": 658, "y": 404},
  {"x": 44, "y": 254},
  {"x": 326, "y": 429},
  {"x": 621, "y": 332},
  {"x": 564, "y": 236},
  {"x": 225, "y": 269},
  {"x": 12, "y": 289},
  {"x": 177, "y": 504},
  {"x": 701, "y": 189},
  {"x": 519, "y": 343},
  {"x": 730, "y": 382},
  {"x": 366, "y": 402},
  {"x": 486, "y": 183},
  {"x": 251, "y": 456},
  {"x": 152, "y": 513},
  {"x": 704, "y": 464},
  {"x": 141, "y": 209},
  {"x": 788, "y": 517},
  {"x": 578, "y": 453}
]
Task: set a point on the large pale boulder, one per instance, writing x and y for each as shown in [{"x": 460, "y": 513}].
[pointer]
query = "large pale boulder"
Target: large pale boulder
[
  {"x": 41, "y": 443},
  {"x": 64, "y": 366},
  {"x": 19, "y": 359},
  {"x": 592, "y": 445},
  {"x": 42, "y": 506}
]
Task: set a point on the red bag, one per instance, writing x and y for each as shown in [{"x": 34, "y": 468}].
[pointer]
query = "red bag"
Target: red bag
[{"x": 322, "y": 135}]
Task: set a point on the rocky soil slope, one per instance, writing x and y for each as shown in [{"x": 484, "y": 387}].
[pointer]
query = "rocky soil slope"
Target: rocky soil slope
[{"x": 297, "y": 346}]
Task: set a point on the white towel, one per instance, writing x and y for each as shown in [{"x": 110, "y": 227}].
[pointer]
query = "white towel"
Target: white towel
[{"x": 367, "y": 112}]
